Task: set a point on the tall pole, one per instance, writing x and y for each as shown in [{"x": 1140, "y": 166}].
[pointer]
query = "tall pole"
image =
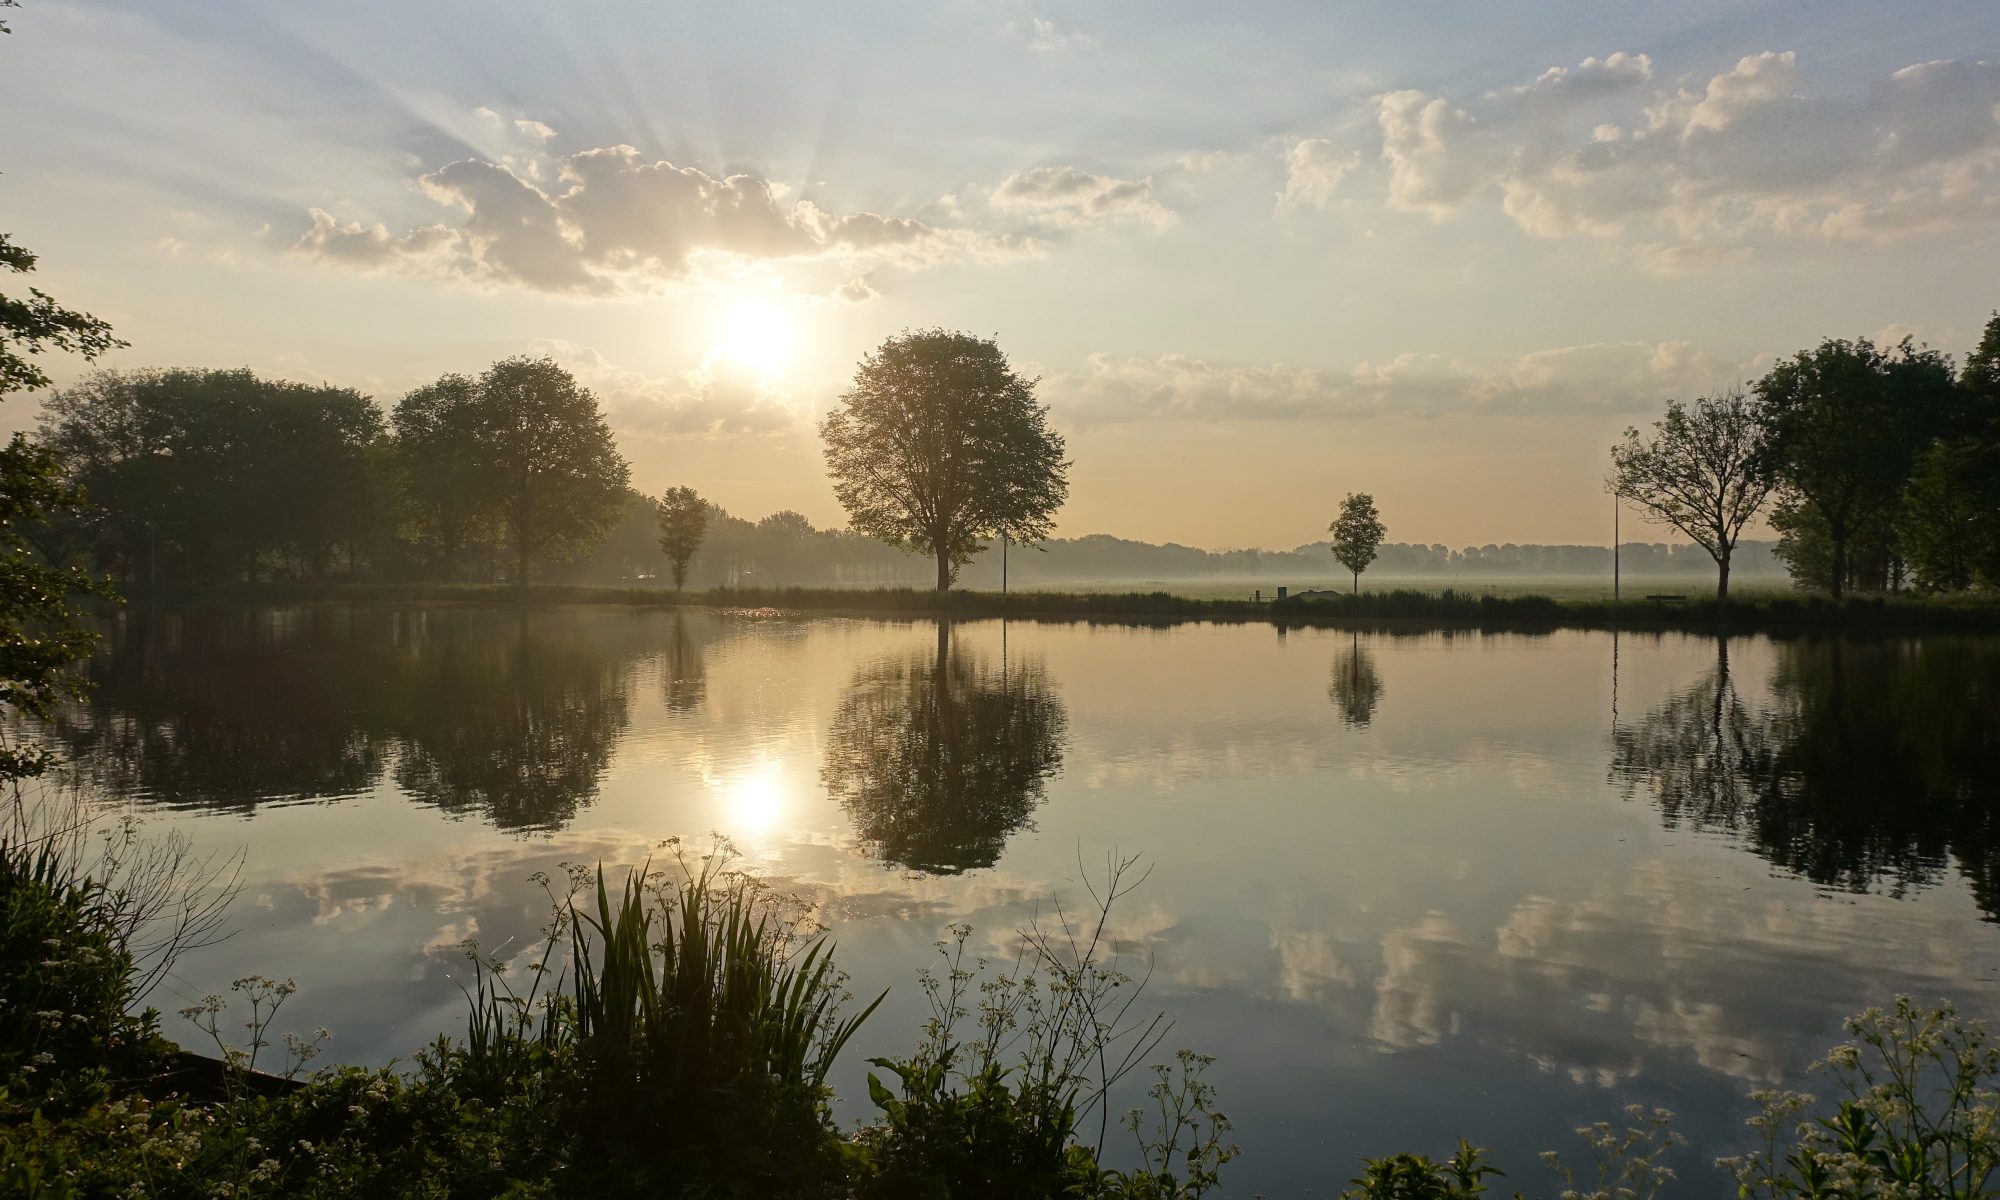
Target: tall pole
[
  {"x": 1003, "y": 562},
  {"x": 1615, "y": 594}
]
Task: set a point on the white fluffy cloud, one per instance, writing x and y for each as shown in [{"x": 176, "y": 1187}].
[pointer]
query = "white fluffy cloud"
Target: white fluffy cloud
[
  {"x": 1688, "y": 174},
  {"x": 613, "y": 222},
  {"x": 1066, "y": 196},
  {"x": 1602, "y": 378},
  {"x": 1313, "y": 171}
]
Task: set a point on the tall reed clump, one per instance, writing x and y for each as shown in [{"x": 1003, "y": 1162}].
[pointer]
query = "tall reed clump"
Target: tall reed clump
[{"x": 688, "y": 1037}]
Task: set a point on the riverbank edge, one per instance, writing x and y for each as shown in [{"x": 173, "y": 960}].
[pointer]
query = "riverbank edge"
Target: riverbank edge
[{"x": 1445, "y": 607}]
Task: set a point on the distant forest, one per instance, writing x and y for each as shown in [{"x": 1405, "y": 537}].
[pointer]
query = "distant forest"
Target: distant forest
[{"x": 785, "y": 550}]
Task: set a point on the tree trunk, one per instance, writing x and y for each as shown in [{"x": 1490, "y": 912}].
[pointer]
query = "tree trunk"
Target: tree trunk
[
  {"x": 1357, "y": 583},
  {"x": 944, "y": 570},
  {"x": 1722, "y": 579},
  {"x": 1839, "y": 580},
  {"x": 521, "y": 559}
]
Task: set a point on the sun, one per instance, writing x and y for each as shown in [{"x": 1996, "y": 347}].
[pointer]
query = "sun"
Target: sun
[{"x": 756, "y": 334}]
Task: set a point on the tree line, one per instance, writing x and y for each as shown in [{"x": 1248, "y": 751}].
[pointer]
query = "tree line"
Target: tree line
[
  {"x": 1879, "y": 467},
  {"x": 221, "y": 476}
]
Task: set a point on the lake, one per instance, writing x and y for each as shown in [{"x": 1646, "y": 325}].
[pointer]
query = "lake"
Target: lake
[{"x": 1405, "y": 886}]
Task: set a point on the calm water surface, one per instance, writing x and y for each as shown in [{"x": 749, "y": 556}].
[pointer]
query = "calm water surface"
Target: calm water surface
[{"x": 1405, "y": 887}]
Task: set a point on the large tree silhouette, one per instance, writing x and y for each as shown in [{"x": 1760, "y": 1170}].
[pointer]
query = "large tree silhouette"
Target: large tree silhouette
[
  {"x": 940, "y": 757},
  {"x": 939, "y": 446}
]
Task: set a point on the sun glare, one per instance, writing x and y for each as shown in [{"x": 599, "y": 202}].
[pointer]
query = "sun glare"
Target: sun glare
[
  {"x": 756, "y": 334},
  {"x": 754, "y": 801}
]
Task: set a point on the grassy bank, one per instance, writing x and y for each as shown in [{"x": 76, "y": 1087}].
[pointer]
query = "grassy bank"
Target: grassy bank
[{"x": 1753, "y": 612}]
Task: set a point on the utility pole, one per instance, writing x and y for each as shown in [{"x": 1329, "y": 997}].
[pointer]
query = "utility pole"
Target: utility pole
[
  {"x": 1003, "y": 562},
  {"x": 1615, "y": 594}
]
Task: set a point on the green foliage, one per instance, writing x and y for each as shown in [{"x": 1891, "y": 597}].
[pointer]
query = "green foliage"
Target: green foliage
[
  {"x": 546, "y": 460},
  {"x": 1419, "y": 1177},
  {"x": 1357, "y": 534},
  {"x": 939, "y": 446},
  {"x": 217, "y": 475},
  {"x": 42, "y": 634},
  {"x": 683, "y": 520},
  {"x": 1948, "y": 526},
  {"x": 443, "y": 497},
  {"x": 1014, "y": 1063},
  {"x": 35, "y": 325},
  {"x": 1846, "y": 422},
  {"x": 1918, "y": 1115}
]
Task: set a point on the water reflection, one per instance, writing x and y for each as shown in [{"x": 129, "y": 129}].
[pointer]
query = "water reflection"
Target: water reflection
[
  {"x": 684, "y": 669},
  {"x": 1869, "y": 765},
  {"x": 472, "y": 711},
  {"x": 233, "y": 710},
  {"x": 517, "y": 730},
  {"x": 940, "y": 757},
  {"x": 1357, "y": 686}
]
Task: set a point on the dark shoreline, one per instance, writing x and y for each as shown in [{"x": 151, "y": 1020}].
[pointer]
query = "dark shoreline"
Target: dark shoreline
[{"x": 1444, "y": 608}]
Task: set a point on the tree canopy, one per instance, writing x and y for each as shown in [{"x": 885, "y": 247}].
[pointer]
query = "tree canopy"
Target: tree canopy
[
  {"x": 1357, "y": 534},
  {"x": 547, "y": 458},
  {"x": 1847, "y": 421},
  {"x": 1705, "y": 471},
  {"x": 683, "y": 524},
  {"x": 939, "y": 446}
]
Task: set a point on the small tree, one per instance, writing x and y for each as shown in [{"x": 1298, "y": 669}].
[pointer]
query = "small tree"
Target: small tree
[
  {"x": 1357, "y": 534},
  {"x": 1705, "y": 471},
  {"x": 683, "y": 523},
  {"x": 939, "y": 445}
]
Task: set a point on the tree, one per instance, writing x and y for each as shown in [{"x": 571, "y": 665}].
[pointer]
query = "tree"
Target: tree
[
  {"x": 547, "y": 458},
  {"x": 683, "y": 523},
  {"x": 1705, "y": 471},
  {"x": 38, "y": 324},
  {"x": 939, "y": 445},
  {"x": 43, "y": 634},
  {"x": 1846, "y": 421},
  {"x": 1949, "y": 523},
  {"x": 217, "y": 472},
  {"x": 1357, "y": 534},
  {"x": 438, "y": 459}
]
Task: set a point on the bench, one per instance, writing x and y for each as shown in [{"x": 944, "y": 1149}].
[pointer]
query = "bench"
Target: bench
[{"x": 1668, "y": 598}]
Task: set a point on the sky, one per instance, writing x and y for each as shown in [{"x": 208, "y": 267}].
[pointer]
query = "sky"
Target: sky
[{"x": 1258, "y": 256}]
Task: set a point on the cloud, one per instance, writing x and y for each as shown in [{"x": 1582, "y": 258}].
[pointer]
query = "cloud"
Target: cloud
[
  {"x": 716, "y": 397},
  {"x": 372, "y": 247},
  {"x": 1044, "y": 37},
  {"x": 1610, "y": 378},
  {"x": 1066, "y": 196},
  {"x": 1689, "y": 176},
  {"x": 1313, "y": 171},
  {"x": 616, "y": 223}
]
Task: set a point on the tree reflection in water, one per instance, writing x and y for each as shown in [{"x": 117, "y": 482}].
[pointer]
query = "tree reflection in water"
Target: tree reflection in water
[
  {"x": 1872, "y": 764},
  {"x": 510, "y": 717},
  {"x": 229, "y": 710},
  {"x": 1357, "y": 686},
  {"x": 517, "y": 730},
  {"x": 684, "y": 669},
  {"x": 939, "y": 757}
]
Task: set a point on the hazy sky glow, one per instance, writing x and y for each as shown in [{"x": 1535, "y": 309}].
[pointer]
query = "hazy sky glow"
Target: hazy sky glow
[{"x": 1259, "y": 255}]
